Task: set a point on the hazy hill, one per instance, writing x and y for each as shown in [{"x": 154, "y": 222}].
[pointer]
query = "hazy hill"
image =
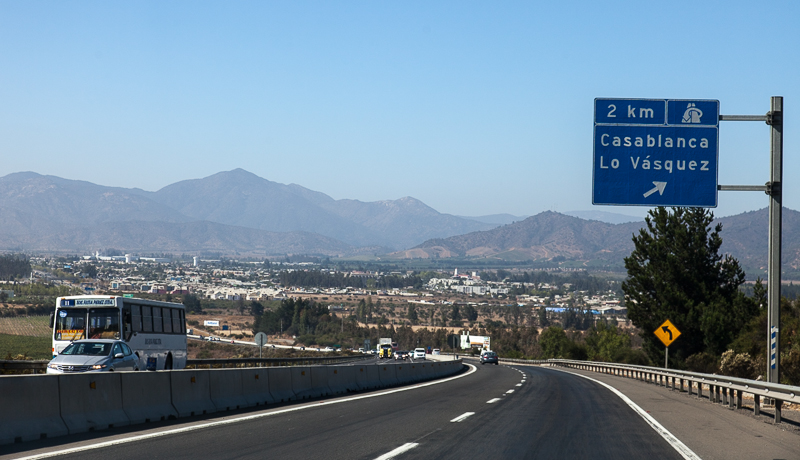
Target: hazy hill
[
  {"x": 241, "y": 198},
  {"x": 549, "y": 235},
  {"x": 50, "y": 213},
  {"x": 543, "y": 236}
]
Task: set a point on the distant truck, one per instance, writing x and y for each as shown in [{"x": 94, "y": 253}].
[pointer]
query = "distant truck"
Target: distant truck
[{"x": 384, "y": 350}]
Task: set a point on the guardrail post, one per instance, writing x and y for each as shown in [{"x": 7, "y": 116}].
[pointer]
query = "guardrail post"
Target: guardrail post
[
  {"x": 700, "y": 389},
  {"x": 738, "y": 399},
  {"x": 681, "y": 385},
  {"x": 756, "y": 404},
  {"x": 691, "y": 386},
  {"x": 778, "y": 404}
]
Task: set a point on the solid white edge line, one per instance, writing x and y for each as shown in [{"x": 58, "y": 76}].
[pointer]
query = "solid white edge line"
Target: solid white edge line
[
  {"x": 238, "y": 419},
  {"x": 462, "y": 417},
  {"x": 404, "y": 448},
  {"x": 676, "y": 443}
]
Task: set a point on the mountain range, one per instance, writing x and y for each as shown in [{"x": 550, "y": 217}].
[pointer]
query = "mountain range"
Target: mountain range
[
  {"x": 234, "y": 211},
  {"x": 238, "y": 213}
]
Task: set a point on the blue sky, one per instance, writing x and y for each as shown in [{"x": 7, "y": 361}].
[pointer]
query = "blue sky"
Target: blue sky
[{"x": 473, "y": 107}]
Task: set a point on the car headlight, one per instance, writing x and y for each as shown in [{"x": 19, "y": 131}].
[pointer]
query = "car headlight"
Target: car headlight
[
  {"x": 53, "y": 366},
  {"x": 98, "y": 366}
]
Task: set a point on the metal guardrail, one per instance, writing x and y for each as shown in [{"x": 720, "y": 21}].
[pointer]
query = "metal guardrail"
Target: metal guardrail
[
  {"x": 269, "y": 362},
  {"x": 721, "y": 388},
  {"x": 40, "y": 366}
]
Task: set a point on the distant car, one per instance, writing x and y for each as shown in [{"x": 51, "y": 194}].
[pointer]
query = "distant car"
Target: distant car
[
  {"x": 436, "y": 351},
  {"x": 401, "y": 355},
  {"x": 101, "y": 355},
  {"x": 489, "y": 357},
  {"x": 418, "y": 353}
]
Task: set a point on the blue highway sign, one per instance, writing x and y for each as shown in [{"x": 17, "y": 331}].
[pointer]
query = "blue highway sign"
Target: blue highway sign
[{"x": 655, "y": 152}]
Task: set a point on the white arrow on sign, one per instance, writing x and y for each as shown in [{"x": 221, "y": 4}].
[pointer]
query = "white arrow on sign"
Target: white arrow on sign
[{"x": 659, "y": 187}]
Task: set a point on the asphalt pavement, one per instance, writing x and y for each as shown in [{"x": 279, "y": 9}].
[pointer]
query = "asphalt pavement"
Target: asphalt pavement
[{"x": 487, "y": 412}]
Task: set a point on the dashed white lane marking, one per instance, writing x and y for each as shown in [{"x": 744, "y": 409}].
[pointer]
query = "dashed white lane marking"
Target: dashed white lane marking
[
  {"x": 519, "y": 384},
  {"x": 463, "y": 417},
  {"x": 492, "y": 401},
  {"x": 229, "y": 421},
  {"x": 509, "y": 392},
  {"x": 676, "y": 443},
  {"x": 404, "y": 448}
]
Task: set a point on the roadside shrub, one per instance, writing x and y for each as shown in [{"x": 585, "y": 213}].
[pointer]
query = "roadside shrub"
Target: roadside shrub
[
  {"x": 737, "y": 365},
  {"x": 630, "y": 356},
  {"x": 790, "y": 367},
  {"x": 702, "y": 362}
]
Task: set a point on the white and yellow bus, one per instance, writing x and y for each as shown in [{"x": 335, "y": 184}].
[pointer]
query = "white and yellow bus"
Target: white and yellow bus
[{"x": 154, "y": 330}]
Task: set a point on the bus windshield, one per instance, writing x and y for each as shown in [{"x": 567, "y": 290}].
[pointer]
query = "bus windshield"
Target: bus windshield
[
  {"x": 103, "y": 323},
  {"x": 70, "y": 324}
]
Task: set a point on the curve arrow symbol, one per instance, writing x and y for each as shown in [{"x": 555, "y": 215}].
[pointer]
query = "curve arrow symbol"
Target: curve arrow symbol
[
  {"x": 659, "y": 187},
  {"x": 666, "y": 328}
]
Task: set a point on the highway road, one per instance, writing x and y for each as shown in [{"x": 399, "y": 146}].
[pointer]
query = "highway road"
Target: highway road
[{"x": 488, "y": 412}]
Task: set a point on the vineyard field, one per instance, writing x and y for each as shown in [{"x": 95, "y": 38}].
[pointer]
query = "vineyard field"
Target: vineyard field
[{"x": 32, "y": 326}]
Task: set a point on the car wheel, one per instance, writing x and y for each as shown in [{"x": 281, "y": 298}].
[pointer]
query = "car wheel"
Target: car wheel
[
  {"x": 168, "y": 363},
  {"x": 496, "y": 364}
]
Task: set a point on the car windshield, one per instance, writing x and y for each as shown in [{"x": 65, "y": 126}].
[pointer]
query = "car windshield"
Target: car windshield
[{"x": 87, "y": 348}]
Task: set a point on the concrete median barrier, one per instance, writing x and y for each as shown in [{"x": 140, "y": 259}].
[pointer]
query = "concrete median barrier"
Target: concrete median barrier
[
  {"x": 280, "y": 384},
  {"x": 30, "y": 409},
  {"x": 91, "y": 401},
  {"x": 374, "y": 376},
  {"x": 191, "y": 392},
  {"x": 226, "y": 389},
  {"x": 362, "y": 377},
  {"x": 255, "y": 387},
  {"x": 388, "y": 375},
  {"x": 146, "y": 396},
  {"x": 319, "y": 381},
  {"x": 403, "y": 373},
  {"x": 302, "y": 383},
  {"x": 415, "y": 374},
  {"x": 341, "y": 379}
]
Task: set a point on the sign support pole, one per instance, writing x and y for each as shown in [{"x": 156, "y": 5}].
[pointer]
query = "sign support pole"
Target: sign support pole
[
  {"x": 666, "y": 357},
  {"x": 775, "y": 120}
]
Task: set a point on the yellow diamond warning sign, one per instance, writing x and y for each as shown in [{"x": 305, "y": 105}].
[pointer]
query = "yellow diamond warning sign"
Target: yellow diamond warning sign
[{"x": 667, "y": 333}]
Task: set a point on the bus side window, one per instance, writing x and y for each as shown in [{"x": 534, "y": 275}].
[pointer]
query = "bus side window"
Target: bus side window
[
  {"x": 167, "y": 320},
  {"x": 126, "y": 322},
  {"x": 183, "y": 322},
  {"x": 147, "y": 319},
  {"x": 158, "y": 325},
  {"x": 136, "y": 318},
  {"x": 176, "y": 321}
]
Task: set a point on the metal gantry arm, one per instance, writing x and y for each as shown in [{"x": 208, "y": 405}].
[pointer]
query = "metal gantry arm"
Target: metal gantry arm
[{"x": 773, "y": 188}]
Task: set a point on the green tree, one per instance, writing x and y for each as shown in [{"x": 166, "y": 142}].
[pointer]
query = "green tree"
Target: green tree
[
  {"x": 412, "y": 314},
  {"x": 554, "y": 343},
  {"x": 676, "y": 272},
  {"x": 192, "y": 303},
  {"x": 607, "y": 343}
]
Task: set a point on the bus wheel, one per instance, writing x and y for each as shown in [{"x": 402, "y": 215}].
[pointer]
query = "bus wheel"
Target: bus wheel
[{"x": 168, "y": 363}]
